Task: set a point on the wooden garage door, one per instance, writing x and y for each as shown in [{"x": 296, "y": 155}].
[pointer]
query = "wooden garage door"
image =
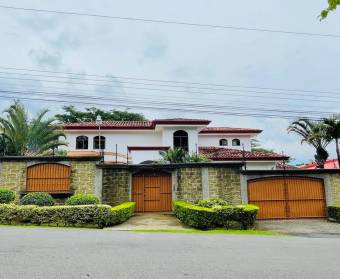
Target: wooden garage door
[
  {"x": 288, "y": 197},
  {"x": 52, "y": 178},
  {"x": 152, "y": 192}
]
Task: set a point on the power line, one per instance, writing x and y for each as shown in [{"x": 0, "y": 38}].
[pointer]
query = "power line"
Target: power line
[
  {"x": 176, "y": 81},
  {"x": 324, "y": 100},
  {"x": 168, "y": 105},
  {"x": 161, "y": 21}
]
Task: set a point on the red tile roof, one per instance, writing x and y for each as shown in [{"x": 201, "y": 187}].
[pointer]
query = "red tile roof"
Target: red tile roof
[
  {"x": 124, "y": 125},
  {"x": 329, "y": 164},
  {"x": 228, "y": 130},
  {"x": 227, "y": 154}
]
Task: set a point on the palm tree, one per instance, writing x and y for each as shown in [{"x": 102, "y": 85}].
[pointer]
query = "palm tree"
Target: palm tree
[
  {"x": 176, "y": 155},
  {"x": 22, "y": 137},
  {"x": 332, "y": 125},
  {"x": 313, "y": 133}
]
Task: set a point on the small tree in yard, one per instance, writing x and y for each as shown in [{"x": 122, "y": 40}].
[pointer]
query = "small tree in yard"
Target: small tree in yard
[
  {"x": 332, "y": 126},
  {"x": 315, "y": 134}
]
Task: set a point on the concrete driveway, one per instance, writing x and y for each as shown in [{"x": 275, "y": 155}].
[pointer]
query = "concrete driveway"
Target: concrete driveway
[
  {"x": 31, "y": 253},
  {"x": 305, "y": 227}
]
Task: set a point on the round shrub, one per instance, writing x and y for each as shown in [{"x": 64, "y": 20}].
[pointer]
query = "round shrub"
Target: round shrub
[
  {"x": 212, "y": 202},
  {"x": 38, "y": 198},
  {"x": 6, "y": 196},
  {"x": 83, "y": 199}
]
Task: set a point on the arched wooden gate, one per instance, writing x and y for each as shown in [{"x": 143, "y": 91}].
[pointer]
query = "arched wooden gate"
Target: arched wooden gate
[
  {"x": 152, "y": 192},
  {"x": 49, "y": 177},
  {"x": 288, "y": 197}
]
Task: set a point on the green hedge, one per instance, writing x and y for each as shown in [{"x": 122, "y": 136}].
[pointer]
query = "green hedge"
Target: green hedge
[
  {"x": 212, "y": 202},
  {"x": 37, "y": 198},
  {"x": 229, "y": 217},
  {"x": 98, "y": 216},
  {"x": 334, "y": 213},
  {"x": 82, "y": 199},
  {"x": 6, "y": 196}
]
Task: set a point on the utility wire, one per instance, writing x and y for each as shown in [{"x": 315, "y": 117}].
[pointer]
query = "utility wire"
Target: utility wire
[
  {"x": 161, "y": 21},
  {"x": 186, "y": 83}
]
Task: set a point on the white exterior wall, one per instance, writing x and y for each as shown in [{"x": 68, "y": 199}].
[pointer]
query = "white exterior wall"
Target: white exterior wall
[
  {"x": 213, "y": 140},
  {"x": 168, "y": 136}
]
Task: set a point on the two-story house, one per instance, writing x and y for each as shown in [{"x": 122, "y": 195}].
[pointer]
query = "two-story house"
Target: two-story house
[{"x": 140, "y": 141}]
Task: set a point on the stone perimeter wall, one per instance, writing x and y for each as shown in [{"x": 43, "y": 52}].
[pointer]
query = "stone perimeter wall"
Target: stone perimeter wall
[
  {"x": 335, "y": 188},
  {"x": 13, "y": 176},
  {"x": 115, "y": 186}
]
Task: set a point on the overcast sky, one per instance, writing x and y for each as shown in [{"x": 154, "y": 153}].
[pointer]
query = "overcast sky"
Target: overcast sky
[{"x": 88, "y": 45}]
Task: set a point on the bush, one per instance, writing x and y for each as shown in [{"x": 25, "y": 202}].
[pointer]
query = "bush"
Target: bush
[
  {"x": 229, "y": 217},
  {"x": 82, "y": 199},
  {"x": 212, "y": 202},
  {"x": 37, "y": 198},
  {"x": 98, "y": 216},
  {"x": 6, "y": 196},
  {"x": 121, "y": 213},
  {"x": 334, "y": 213}
]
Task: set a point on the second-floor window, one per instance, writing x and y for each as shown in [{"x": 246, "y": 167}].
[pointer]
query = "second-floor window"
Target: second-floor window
[
  {"x": 181, "y": 140},
  {"x": 82, "y": 142},
  {"x": 97, "y": 144},
  {"x": 223, "y": 142},
  {"x": 236, "y": 142}
]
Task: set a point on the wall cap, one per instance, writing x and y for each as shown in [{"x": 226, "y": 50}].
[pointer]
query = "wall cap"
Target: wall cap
[
  {"x": 46, "y": 158},
  {"x": 283, "y": 172}
]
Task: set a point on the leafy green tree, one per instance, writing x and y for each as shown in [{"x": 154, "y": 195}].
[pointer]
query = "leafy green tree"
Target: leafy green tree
[
  {"x": 176, "y": 155},
  {"x": 332, "y": 5},
  {"x": 256, "y": 146},
  {"x": 21, "y": 136},
  {"x": 314, "y": 134},
  {"x": 332, "y": 126},
  {"x": 72, "y": 115}
]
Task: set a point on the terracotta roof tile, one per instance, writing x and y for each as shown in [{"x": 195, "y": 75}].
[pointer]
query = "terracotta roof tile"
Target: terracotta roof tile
[
  {"x": 228, "y": 154},
  {"x": 229, "y": 130}
]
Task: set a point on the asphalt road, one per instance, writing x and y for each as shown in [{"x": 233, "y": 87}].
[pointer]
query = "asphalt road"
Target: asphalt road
[{"x": 72, "y": 253}]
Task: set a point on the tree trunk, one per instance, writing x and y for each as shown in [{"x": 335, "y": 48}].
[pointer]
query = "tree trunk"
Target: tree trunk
[{"x": 337, "y": 151}]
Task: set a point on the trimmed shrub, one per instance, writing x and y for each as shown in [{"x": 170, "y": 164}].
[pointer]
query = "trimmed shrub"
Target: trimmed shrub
[
  {"x": 63, "y": 216},
  {"x": 334, "y": 213},
  {"x": 194, "y": 216},
  {"x": 98, "y": 216},
  {"x": 121, "y": 213},
  {"x": 37, "y": 198},
  {"x": 229, "y": 217},
  {"x": 6, "y": 196},
  {"x": 212, "y": 202},
  {"x": 82, "y": 199}
]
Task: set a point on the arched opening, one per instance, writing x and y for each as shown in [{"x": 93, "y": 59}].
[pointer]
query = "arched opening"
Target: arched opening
[
  {"x": 99, "y": 144},
  {"x": 181, "y": 140},
  {"x": 82, "y": 142},
  {"x": 236, "y": 142},
  {"x": 223, "y": 142}
]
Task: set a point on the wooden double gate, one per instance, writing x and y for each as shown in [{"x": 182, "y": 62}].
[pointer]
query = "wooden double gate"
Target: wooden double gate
[
  {"x": 288, "y": 197},
  {"x": 152, "y": 192}
]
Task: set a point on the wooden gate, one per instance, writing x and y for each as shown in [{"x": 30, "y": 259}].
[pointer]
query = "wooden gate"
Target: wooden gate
[
  {"x": 288, "y": 197},
  {"x": 152, "y": 192},
  {"x": 52, "y": 178}
]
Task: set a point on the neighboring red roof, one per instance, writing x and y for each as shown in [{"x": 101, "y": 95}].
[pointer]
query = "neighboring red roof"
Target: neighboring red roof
[
  {"x": 138, "y": 125},
  {"x": 329, "y": 164},
  {"x": 228, "y": 130},
  {"x": 227, "y": 154}
]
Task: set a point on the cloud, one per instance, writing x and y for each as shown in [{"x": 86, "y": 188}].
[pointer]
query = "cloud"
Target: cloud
[
  {"x": 156, "y": 47},
  {"x": 46, "y": 59}
]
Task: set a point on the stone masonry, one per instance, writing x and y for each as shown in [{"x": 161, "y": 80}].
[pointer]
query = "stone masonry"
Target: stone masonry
[
  {"x": 13, "y": 176},
  {"x": 115, "y": 186},
  {"x": 224, "y": 183},
  {"x": 83, "y": 174},
  {"x": 189, "y": 187},
  {"x": 335, "y": 188}
]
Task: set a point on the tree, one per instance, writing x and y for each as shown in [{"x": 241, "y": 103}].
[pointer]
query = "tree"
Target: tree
[
  {"x": 256, "y": 146},
  {"x": 71, "y": 115},
  {"x": 332, "y": 5},
  {"x": 21, "y": 136},
  {"x": 313, "y": 133},
  {"x": 332, "y": 126},
  {"x": 176, "y": 155}
]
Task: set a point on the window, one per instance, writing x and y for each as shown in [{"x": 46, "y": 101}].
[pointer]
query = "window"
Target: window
[
  {"x": 236, "y": 142},
  {"x": 96, "y": 144},
  {"x": 82, "y": 142},
  {"x": 223, "y": 142},
  {"x": 181, "y": 140}
]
